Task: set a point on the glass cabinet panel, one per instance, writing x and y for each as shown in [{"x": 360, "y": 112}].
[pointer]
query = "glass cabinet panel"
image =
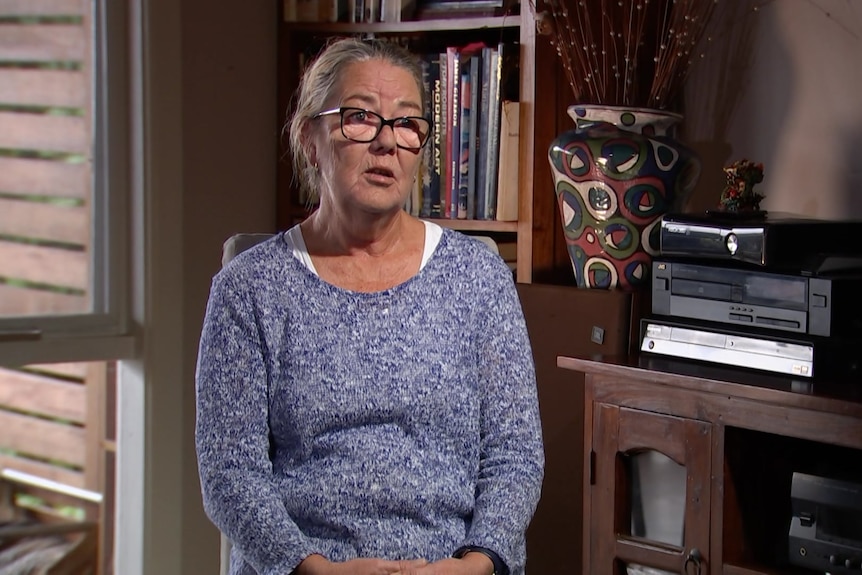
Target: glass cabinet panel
[
  {"x": 649, "y": 494},
  {"x": 657, "y": 495}
]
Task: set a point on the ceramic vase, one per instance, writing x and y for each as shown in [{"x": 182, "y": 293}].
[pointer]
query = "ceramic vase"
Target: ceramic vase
[{"x": 615, "y": 174}]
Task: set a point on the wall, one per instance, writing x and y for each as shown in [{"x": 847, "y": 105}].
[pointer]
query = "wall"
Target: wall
[
  {"x": 783, "y": 88},
  {"x": 204, "y": 168},
  {"x": 230, "y": 132}
]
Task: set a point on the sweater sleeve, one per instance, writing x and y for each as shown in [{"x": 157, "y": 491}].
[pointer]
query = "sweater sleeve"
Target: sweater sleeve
[
  {"x": 511, "y": 454},
  {"x": 232, "y": 434}
]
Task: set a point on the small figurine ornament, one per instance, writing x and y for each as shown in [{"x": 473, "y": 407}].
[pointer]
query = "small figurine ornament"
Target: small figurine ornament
[{"x": 738, "y": 194}]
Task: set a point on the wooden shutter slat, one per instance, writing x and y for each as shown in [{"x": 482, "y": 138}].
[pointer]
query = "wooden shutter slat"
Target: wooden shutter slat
[
  {"x": 44, "y": 178},
  {"x": 43, "y": 132},
  {"x": 42, "y": 43},
  {"x": 39, "y": 264},
  {"x": 42, "y": 395},
  {"x": 43, "y": 88},
  {"x": 42, "y": 438},
  {"x": 41, "y": 7},
  {"x": 43, "y": 221},
  {"x": 76, "y": 371},
  {"x": 15, "y": 301},
  {"x": 66, "y": 476}
]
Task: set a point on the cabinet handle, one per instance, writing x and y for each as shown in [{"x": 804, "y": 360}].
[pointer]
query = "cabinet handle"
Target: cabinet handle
[{"x": 695, "y": 559}]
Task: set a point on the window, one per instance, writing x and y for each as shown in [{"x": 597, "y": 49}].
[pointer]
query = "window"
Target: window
[{"x": 64, "y": 180}]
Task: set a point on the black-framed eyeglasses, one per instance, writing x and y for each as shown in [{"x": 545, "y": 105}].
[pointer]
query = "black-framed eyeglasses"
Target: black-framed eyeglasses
[{"x": 358, "y": 125}]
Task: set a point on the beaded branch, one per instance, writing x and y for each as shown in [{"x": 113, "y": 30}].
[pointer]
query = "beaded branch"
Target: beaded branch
[{"x": 626, "y": 52}]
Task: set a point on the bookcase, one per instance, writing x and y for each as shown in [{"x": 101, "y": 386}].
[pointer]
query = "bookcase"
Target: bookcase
[{"x": 536, "y": 234}]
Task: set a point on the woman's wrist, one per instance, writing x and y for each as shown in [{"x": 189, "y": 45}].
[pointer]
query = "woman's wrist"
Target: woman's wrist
[
  {"x": 487, "y": 556},
  {"x": 310, "y": 565}
]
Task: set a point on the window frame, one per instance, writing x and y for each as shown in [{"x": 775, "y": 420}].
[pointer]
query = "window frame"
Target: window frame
[{"x": 105, "y": 332}]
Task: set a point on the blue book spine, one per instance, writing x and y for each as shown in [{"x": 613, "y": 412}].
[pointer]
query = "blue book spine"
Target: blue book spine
[{"x": 464, "y": 154}]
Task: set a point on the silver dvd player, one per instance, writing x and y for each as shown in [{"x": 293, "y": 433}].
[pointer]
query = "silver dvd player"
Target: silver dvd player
[{"x": 715, "y": 346}]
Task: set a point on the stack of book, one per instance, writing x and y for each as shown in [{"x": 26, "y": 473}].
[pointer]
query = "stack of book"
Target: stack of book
[
  {"x": 471, "y": 161},
  {"x": 348, "y": 10}
]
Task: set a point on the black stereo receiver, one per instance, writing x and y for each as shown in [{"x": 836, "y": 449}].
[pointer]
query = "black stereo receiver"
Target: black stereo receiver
[
  {"x": 776, "y": 240},
  {"x": 827, "y": 306},
  {"x": 826, "y": 527}
]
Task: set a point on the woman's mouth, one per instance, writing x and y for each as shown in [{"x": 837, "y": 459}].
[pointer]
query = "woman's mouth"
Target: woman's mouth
[{"x": 380, "y": 173}]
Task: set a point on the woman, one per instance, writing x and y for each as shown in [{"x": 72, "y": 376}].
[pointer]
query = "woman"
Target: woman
[{"x": 365, "y": 387}]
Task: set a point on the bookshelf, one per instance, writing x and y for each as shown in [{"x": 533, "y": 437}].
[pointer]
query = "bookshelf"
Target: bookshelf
[{"x": 540, "y": 249}]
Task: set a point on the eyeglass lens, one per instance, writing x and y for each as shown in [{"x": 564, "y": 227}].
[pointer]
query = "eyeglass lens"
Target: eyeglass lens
[{"x": 363, "y": 126}]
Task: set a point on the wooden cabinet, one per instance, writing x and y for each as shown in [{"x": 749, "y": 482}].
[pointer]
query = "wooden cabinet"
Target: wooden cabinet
[
  {"x": 540, "y": 248},
  {"x": 728, "y": 443}
]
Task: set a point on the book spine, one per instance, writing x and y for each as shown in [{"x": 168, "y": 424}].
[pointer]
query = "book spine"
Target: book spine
[
  {"x": 492, "y": 159},
  {"x": 482, "y": 141},
  {"x": 475, "y": 146},
  {"x": 453, "y": 137},
  {"x": 390, "y": 10},
  {"x": 438, "y": 210},
  {"x": 329, "y": 11},
  {"x": 307, "y": 10},
  {"x": 464, "y": 146},
  {"x": 356, "y": 11},
  {"x": 431, "y": 176},
  {"x": 507, "y": 189}
]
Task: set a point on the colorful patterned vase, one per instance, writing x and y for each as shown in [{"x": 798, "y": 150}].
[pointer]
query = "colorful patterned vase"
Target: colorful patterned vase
[{"x": 615, "y": 175}]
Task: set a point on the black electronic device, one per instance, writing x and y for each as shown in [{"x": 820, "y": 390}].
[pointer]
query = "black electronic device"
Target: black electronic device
[
  {"x": 774, "y": 240},
  {"x": 826, "y": 527},
  {"x": 827, "y": 358},
  {"x": 826, "y": 306}
]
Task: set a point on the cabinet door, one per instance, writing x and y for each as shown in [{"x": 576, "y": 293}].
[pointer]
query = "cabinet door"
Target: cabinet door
[{"x": 649, "y": 493}]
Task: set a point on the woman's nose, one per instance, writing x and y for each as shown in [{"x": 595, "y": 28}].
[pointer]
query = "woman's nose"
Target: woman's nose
[{"x": 385, "y": 138}]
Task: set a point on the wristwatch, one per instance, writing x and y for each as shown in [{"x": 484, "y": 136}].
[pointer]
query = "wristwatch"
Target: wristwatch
[{"x": 500, "y": 568}]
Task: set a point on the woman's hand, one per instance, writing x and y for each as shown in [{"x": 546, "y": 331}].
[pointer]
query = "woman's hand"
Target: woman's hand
[
  {"x": 470, "y": 564},
  {"x": 320, "y": 565}
]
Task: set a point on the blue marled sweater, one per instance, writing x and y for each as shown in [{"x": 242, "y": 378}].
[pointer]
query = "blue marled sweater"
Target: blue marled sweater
[{"x": 396, "y": 424}]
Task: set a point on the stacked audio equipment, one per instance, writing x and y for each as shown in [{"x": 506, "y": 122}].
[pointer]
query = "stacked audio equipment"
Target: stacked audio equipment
[{"x": 777, "y": 293}]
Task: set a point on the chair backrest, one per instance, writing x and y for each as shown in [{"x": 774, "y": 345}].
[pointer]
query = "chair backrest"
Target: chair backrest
[{"x": 234, "y": 245}]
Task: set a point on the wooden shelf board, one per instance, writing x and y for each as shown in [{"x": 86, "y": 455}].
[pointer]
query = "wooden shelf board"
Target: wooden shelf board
[{"x": 476, "y": 225}]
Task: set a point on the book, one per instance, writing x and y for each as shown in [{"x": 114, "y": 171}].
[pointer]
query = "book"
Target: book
[
  {"x": 431, "y": 153},
  {"x": 484, "y": 143},
  {"x": 507, "y": 173},
  {"x": 466, "y": 116},
  {"x": 442, "y": 139},
  {"x": 453, "y": 133},
  {"x": 390, "y": 10},
  {"x": 307, "y": 10},
  {"x": 355, "y": 11},
  {"x": 330, "y": 10},
  {"x": 473, "y": 147}
]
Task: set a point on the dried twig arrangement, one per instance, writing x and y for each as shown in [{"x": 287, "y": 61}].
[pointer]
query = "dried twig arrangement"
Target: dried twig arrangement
[{"x": 627, "y": 52}]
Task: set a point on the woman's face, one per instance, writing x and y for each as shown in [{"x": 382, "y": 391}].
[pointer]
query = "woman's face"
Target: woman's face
[{"x": 376, "y": 176}]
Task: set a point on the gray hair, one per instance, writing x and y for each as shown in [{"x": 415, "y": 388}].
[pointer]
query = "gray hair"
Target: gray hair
[{"x": 317, "y": 84}]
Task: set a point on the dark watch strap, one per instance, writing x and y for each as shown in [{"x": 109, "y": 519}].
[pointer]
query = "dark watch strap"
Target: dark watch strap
[{"x": 500, "y": 568}]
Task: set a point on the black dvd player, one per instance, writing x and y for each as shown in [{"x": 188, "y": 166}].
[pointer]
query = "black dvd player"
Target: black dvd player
[
  {"x": 826, "y": 306},
  {"x": 776, "y": 240},
  {"x": 826, "y": 527}
]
